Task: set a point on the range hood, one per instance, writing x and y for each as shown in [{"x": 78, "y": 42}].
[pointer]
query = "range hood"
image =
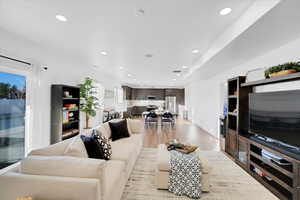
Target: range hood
[{"x": 149, "y": 97}]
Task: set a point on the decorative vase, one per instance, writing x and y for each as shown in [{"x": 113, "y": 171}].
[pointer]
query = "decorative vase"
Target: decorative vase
[{"x": 282, "y": 73}]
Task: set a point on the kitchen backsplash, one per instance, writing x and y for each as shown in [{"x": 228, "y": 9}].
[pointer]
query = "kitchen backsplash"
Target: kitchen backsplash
[{"x": 159, "y": 103}]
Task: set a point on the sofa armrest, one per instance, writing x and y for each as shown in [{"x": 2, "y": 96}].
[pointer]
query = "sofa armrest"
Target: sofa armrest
[
  {"x": 14, "y": 185},
  {"x": 136, "y": 126}
]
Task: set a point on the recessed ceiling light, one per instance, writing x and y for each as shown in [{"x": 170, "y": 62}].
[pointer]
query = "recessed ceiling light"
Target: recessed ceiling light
[
  {"x": 177, "y": 71},
  {"x": 174, "y": 79},
  {"x": 61, "y": 18},
  {"x": 225, "y": 11},
  {"x": 134, "y": 79},
  {"x": 128, "y": 75},
  {"x": 195, "y": 51},
  {"x": 139, "y": 12},
  {"x": 121, "y": 68},
  {"x": 184, "y": 67},
  {"x": 103, "y": 53}
]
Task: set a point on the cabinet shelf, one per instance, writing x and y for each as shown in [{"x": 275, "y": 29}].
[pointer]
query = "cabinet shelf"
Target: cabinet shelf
[
  {"x": 273, "y": 175},
  {"x": 71, "y": 98},
  {"x": 282, "y": 169},
  {"x": 232, "y": 114},
  {"x": 71, "y": 110},
  {"x": 71, "y": 122},
  {"x": 283, "y": 180},
  {"x": 69, "y": 135},
  {"x": 273, "y": 187}
]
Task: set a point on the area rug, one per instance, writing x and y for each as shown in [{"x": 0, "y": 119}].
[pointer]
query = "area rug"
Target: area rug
[{"x": 228, "y": 181}]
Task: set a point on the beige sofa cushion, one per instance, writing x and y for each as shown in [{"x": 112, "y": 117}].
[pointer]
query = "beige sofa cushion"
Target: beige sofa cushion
[
  {"x": 107, "y": 129},
  {"x": 112, "y": 175},
  {"x": 122, "y": 151},
  {"x": 76, "y": 148},
  {"x": 62, "y": 166},
  {"x": 136, "y": 126},
  {"x": 163, "y": 158},
  {"x": 129, "y": 127},
  {"x": 57, "y": 149},
  {"x": 206, "y": 166},
  {"x": 102, "y": 130}
]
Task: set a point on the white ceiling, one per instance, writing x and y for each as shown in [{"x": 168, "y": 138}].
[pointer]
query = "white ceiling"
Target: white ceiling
[
  {"x": 276, "y": 28},
  {"x": 169, "y": 29}
]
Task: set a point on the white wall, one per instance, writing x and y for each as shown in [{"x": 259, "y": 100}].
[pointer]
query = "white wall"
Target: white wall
[
  {"x": 62, "y": 69},
  {"x": 205, "y": 98}
]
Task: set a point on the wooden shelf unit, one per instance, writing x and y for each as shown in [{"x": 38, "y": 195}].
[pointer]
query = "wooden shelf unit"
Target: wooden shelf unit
[
  {"x": 283, "y": 179},
  {"x": 61, "y": 130},
  {"x": 246, "y": 150},
  {"x": 237, "y": 116}
]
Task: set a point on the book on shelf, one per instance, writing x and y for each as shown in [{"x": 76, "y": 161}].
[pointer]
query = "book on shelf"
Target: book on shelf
[{"x": 65, "y": 117}]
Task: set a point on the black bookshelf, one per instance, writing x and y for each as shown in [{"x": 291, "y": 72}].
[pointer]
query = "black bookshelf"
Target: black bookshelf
[{"x": 65, "y": 114}]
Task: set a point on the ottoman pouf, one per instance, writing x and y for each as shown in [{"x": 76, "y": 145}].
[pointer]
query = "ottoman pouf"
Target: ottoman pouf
[{"x": 163, "y": 168}]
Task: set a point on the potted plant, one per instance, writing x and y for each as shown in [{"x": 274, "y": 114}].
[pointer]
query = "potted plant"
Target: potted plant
[
  {"x": 283, "y": 69},
  {"x": 89, "y": 103}
]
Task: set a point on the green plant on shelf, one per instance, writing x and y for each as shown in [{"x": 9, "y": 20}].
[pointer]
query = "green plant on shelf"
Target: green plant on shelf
[
  {"x": 286, "y": 66},
  {"x": 89, "y": 103}
]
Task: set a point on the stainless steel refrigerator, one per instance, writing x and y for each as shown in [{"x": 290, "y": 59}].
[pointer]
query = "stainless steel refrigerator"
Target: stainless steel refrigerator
[{"x": 171, "y": 105}]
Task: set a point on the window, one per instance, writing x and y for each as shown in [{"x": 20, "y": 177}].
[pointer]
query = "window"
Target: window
[{"x": 12, "y": 118}]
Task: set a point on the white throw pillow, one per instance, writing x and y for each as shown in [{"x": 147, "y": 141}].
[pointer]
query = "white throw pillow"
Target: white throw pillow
[{"x": 76, "y": 148}]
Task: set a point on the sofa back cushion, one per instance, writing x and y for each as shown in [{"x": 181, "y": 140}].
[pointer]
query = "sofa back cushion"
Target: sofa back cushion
[
  {"x": 106, "y": 129},
  {"x": 102, "y": 130},
  {"x": 76, "y": 148},
  {"x": 57, "y": 149},
  {"x": 135, "y": 126},
  {"x": 65, "y": 166}
]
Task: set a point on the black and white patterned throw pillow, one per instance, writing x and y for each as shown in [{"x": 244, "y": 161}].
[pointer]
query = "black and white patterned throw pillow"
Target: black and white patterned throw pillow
[{"x": 104, "y": 144}]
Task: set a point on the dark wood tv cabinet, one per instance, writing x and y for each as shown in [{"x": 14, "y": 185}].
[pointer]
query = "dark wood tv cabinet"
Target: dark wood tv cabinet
[
  {"x": 282, "y": 180},
  {"x": 246, "y": 150}
]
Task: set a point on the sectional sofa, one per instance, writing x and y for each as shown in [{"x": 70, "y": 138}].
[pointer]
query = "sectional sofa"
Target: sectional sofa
[{"x": 52, "y": 174}]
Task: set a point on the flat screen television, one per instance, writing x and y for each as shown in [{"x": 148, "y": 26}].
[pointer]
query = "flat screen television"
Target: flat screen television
[{"x": 276, "y": 115}]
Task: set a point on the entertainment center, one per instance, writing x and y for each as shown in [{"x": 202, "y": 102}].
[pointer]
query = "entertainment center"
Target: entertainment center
[{"x": 261, "y": 134}]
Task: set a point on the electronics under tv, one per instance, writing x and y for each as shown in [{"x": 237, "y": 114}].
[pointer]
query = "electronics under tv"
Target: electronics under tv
[
  {"x": 276, "y": 116},
  {"x": 274, "y": 158}
]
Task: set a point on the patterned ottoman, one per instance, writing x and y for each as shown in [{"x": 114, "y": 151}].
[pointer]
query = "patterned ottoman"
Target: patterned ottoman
[{"x": 163, "y": 168}]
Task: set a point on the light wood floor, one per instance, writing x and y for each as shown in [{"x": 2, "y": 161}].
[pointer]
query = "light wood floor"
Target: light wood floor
[{"x": 184, "y": 131}]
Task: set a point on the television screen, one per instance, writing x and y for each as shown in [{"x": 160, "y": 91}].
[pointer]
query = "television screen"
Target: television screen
[{"x": 276, "y": 115}]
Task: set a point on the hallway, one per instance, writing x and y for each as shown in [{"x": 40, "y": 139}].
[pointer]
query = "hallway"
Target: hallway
[{"x": 184, "y": 131}]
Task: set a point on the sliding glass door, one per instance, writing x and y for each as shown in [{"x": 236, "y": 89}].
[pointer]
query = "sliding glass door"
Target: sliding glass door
[{"x": 12, "y": 118}]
